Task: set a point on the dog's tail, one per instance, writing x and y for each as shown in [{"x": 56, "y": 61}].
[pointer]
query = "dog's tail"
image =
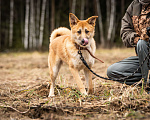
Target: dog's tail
[{"x": 59, "y": 32}]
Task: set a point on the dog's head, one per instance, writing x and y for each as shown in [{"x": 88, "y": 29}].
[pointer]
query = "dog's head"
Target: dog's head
[{"x": 82, "y": 30}]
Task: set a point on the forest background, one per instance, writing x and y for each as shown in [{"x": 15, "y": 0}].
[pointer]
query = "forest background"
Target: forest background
[{"x": 27, "y": 24}]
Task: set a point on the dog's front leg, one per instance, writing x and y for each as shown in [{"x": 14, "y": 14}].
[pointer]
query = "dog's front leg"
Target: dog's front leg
[
  {"x": 79, "y": 82},
  {"x": 51, "y": 92},
  {"x": 88, "y": 78}
]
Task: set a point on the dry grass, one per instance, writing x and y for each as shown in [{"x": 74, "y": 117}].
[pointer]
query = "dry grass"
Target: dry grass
[{"x": 24, "y": 87}]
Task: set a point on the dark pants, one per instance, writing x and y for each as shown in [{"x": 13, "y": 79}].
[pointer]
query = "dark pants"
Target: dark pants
[{"x": 127, "y": 66}]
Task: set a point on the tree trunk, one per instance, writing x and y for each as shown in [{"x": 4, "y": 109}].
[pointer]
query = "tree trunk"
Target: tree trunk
[
  {"x": 32, "y": 42},
  {"x": 37, "y": 22},
  {"x": 42, "y": 24},
  {"x": 0, "y": 24},
  {"x": 52, "y": 15},
  {"x": 47, "y": 17},
  {"x": 82, "y": 9},
  {"x": 26, "y": 25},
  {"x": 59, "y": 13},
  {"x": 115, "y": 21},
  {"x": 22, "y": 21},
  {"x": 107, "y": 15},
  {"x": 74, "y": 6},
  {"x": 11, "y": 22},
  {"x": 112, "y": 20},
  {"x": 87, "y": 10},
  {"x": 113, "y": 33},
  {"x": 31, "y": 25},
  {"x": 122, "y": 8},
  {"x": 70, "y": 6},
  {"x": 100, "y": 23}
]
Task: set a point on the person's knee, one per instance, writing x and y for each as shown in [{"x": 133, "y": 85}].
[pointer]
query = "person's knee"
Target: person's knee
[
  {"x": 109, "y": 71},
  {"x": 141, "y": 44}
]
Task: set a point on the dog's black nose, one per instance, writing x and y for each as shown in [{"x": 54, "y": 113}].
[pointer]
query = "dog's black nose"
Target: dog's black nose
[{"x": 82, "y": 41}]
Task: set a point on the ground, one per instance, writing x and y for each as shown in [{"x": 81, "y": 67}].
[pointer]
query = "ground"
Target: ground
[{"x": 24, "y": 88}]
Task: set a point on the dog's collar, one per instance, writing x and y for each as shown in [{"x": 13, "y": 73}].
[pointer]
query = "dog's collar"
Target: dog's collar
[{"x": 79, "y": 47}]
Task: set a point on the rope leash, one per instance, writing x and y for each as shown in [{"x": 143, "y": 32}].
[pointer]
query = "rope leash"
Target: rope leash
[{"x": 121, "y": 79}]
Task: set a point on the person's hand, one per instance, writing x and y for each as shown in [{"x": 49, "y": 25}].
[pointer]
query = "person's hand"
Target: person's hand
[
  {"x": 144, "y": 36},
  {"x": 136, "y": 39}
]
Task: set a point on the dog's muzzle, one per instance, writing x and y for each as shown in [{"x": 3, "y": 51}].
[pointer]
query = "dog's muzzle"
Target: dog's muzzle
[{"x": 84, "y": 41}]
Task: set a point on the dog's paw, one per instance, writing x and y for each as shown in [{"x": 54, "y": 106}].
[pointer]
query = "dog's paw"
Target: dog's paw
[
  {"x": 51, "y": 95},
  {"x": 85, "y": 93},
  {"x": 90, "y": 91}
]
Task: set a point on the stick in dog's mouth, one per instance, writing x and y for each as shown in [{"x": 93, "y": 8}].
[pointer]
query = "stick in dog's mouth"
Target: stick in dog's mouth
[{"x": 80, "y": 47}]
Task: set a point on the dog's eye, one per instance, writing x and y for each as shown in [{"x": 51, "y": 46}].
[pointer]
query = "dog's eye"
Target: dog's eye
[
  {"x": 79, "y": 31},
  {"x": 86, "y": 31}
]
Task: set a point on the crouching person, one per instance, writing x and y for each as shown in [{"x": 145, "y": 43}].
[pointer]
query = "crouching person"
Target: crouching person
[{"x": 133, "y": 34}]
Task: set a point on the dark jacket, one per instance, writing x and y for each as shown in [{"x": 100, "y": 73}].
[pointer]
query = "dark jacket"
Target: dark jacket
[{"x": 127, "y": 29}]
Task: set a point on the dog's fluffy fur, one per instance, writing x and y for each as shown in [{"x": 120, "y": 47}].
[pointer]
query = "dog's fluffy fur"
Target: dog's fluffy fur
[{"x": 63, "y": 48}]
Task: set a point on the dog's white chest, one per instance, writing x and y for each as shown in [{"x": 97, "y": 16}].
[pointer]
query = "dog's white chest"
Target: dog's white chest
[{"x": 77, "y": 63}]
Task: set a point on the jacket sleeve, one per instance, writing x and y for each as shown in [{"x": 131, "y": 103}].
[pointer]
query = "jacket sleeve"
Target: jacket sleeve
[{"x": 127, "y": 30}]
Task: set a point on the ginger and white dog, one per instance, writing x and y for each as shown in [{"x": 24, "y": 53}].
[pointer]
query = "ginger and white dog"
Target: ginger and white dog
[{"x": 64, "y": 45}]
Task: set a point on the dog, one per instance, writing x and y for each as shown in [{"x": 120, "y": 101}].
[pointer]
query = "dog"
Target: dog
[{"x": 64, "y": 46}]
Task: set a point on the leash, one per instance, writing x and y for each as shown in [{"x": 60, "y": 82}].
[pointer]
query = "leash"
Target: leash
[
  {"x": 121, "y": 79},
  {"x": 148, "y": 48},
  {"x": 93, "y": 55}
]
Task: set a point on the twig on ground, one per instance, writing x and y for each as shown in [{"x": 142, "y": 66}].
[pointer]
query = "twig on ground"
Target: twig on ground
[
  {"x": 28, "y": 88},
  {"x": 15, "y": 109}
]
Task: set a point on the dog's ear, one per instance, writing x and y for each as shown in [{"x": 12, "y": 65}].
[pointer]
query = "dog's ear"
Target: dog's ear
[
  {"x": 73, "y": 19},
  {"x": 92, "y": 20}
]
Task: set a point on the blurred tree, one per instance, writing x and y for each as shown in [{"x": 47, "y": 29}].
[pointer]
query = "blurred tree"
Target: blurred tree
[
  {"x": 107, "y": 13},
  {"x": 122, "y": 7},
  {"x": 82, "y": 9},
  {"x": 22, "y": 21},
  {"x": 37, "y": 25},
  {"x": 52, "y": 15},
  {"x": 32, "y": 39},
  {"x": 11, "y": 22},
  {"x": 0, "y": 24},
  {"x": 107, "y": 31},
  {"x": 42, "y": 23},
  {"x": 111, "y": 26},
  {"x": 100, "y": 23},
  {"x": 74, "y": 6},
  {"x": 59, "y": 13},
  {"x": 26, "y": 25}
]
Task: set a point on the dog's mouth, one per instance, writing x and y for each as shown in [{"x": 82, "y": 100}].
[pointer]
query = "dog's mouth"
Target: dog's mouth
[{"x": 84, "y": 41}]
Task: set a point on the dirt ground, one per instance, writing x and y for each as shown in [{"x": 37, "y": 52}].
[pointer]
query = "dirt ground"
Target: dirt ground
[{"x": 24, "y": 88}]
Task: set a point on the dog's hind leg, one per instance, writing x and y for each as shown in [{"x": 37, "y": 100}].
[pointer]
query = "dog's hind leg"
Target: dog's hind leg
[
  {"x": 88, "y": 78},
  {"x": 54, "y": 66},
  {"x": 79, "y": 82}
]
